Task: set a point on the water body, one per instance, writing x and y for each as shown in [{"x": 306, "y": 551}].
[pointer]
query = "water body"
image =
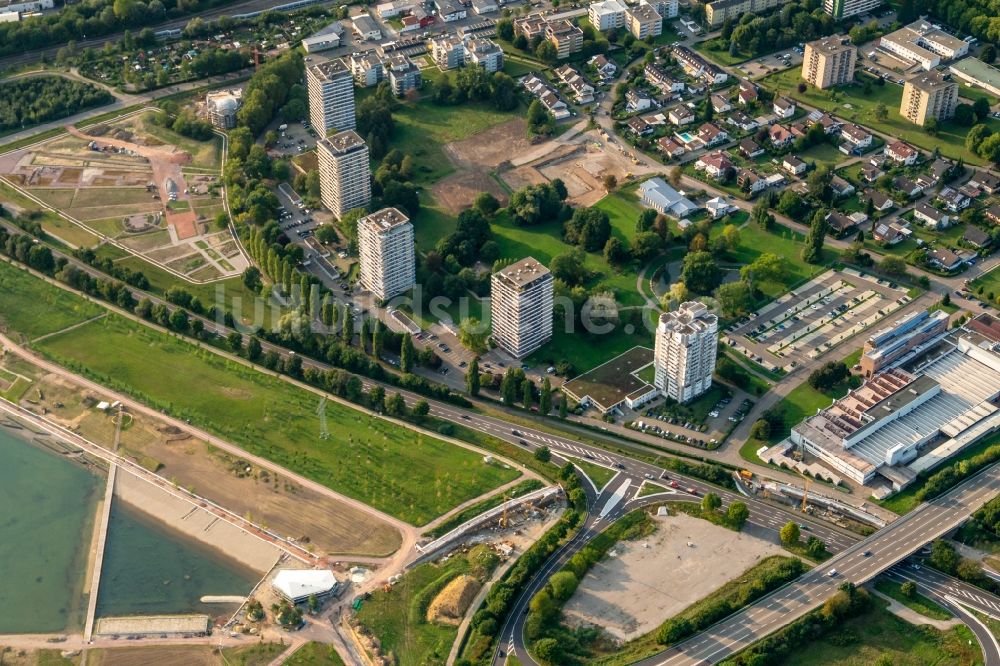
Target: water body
[
  {"x": 47, "y": 507},
  {"x": 150, "y": 569}
]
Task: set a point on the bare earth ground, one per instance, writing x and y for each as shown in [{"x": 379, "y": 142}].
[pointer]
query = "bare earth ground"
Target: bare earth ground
[
  {"x": 650, "y": 580},
  {"x": 258, "y": 494},
  {"x": 475, "y": 158}
]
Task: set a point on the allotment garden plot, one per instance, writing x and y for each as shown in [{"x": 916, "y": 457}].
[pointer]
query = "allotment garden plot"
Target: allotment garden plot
[
  {"x": 138, "y": 187},
  {"x": 813, "y": 319}
]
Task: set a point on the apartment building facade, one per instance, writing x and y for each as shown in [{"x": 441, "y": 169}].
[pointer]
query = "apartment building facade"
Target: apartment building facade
[
  {"x": 928, "y": 95},
  {"x": 840, "y": 9},
  {"x": 344, "y": 172},
  {"x": 331, "y": 97},
  {"x": 386, "y": 252},
  {"x": 829, "y": 61},
  {"x": 685, "y": 350},
  {"x": 521, "y": 307},
  {"x": 606, "y": 15},
  {"x": 643, "y": 21}
]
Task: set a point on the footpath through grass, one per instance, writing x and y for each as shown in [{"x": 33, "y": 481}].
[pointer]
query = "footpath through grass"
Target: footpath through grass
[
  {"x": 918, "y": 602},
  {"x": 32, "y": 308}
]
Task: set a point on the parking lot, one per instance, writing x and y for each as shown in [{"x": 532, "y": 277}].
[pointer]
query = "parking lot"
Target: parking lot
[
  {"x": 810, "y": 321},
  {"x": 295, "y": 139},
  {"x": 774, "y": 62}
]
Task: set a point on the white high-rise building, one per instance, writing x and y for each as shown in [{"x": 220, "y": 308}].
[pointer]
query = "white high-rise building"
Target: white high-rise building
[
  {"x": 344, "y": 172},
  {"x": 331, "y": 97},
  {"x": 686, "y": 345},
  {"x": 386, "y": 249},
  {"x": 521, "y": 307}
]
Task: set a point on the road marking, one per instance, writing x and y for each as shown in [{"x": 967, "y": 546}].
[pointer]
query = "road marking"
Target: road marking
[{"x": 615, "y": 498}]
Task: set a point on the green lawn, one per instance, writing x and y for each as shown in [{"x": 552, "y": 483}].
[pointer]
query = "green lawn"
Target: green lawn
[
  {"x": 53, "y": 224},
  {"x": 989, "y": 282},
  {"x": 784, "y": 242},
  {"x": 599, "y": 475},
  {"x": 409, "y": 475},
  {"x": 862, "y": 640},
  {"x": 423, "y": 128},
  {"x": 851, "y": 103},
  {"x": 398, "y": 617},
  {"x": 314, "y": 654},
  {"x": 431, "y": 223},
  {"x": 803, "y": 401},
  {"x": 716, "y": 52},
  {"x": 259, "y": 654},
  {"x": 919, "y": 603},
  {"x": 823, "y": 153},
  {"x": 30, "y": 307},
  {"x": 623, "y": 209},
  {"x": 650, "y": 488}
]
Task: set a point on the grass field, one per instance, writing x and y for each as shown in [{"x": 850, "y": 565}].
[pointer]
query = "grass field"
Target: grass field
[
  {"x": 314, "y": 654},
  {"x": 919, "y": 603},
  {"x": 862, "y": 640},
  {"x": 803, "y": 401},
  {"x": 32, "y": 308},
  {"x": 989, "y": 282},
  {"x": 409, "y": 475},
  {"x": 714, "y": 51},
  {"x": 623, "y": 209},
  {"x": 852, "y": 103},
  {"x": 399, "y": 617},
  {"x": 423, "y": 128},
  {"x": 784, "y": 242},
  {"x": 598, "y": 474},
  {"x": 823, "y": 153},
  {"x": 66, "y": 231}
]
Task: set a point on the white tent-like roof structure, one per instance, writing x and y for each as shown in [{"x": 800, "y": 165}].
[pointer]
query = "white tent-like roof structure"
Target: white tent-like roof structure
[{"x": 299, "y": 584}]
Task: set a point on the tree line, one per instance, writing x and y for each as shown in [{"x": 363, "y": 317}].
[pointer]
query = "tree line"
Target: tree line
[{"x": 38, "y": 99}]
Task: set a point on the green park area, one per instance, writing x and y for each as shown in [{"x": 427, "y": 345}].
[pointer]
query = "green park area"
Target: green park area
[
  {"x": 412, "y": 618},
  {"x": 31, "y": 308},
  {"x": 856, "y": 102},
  {"x": 717, "y": 50},
  {"x": 404, "y": 473},
  {"x": 785, "y": 243},
  {"x": 879, "y": 637},
  {"x": 990, "y": 283}
]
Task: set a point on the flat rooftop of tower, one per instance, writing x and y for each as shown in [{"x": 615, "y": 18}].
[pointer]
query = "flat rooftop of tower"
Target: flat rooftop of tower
[
  {"x": 330, "y": 69},
  {"x": 930, "y": 81},
  {"x": 831, "y": 44},
  {"x": 343, "y": 142},
  {"x": 385, "y": 219},
  {"x": 523, "y": 272}
]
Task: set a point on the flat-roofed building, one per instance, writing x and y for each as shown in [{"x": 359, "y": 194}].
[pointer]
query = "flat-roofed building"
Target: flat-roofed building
[
  {"x": 484, "y": 53},
  {"x": 718, "y": 11},
  {"x": 928, "y": 95},
  {"x": 565, "y": 36},
  {"x": 643, "y": 21},
  {"x": 686, "y": 344},
  {"x": 922, "y": 43},
  {"x": 829, "y": 61},
  {"x": 977, "y": 73},
  {"x": 366, "y": 68},
  {"x": 667, "y": 9},
  {"x": 606, "y": 15},
  {"x": 521, "y": 307},
  {"x": 344, "y": 172},
  {"x": 331, "y": 97},
  {"x": 448, "y": 51},
  {"x": 890, "y": 344},
  {"x": 404, "y": 75},
  {"x": 386, "y": 252}
]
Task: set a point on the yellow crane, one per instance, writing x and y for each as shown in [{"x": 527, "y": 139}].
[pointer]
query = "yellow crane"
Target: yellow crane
[{"x": 805, "y": 497}]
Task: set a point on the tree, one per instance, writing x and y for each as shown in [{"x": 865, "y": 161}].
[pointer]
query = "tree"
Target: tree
[
  {"x": 881, "y": 112},
  {"x": 472, "y": 378},
  {"x": 976, "y": 136},
  {"x": 549, "y": 650},
  {"x": 790, "y": 533},
  {"x": 406, "y": 353},
  {"x": 527, "y": 393},
  {"x": 378, "y": 339},
  {"x": 944, "y": 556},
  {"x": 486, "y": 204},
  {"x": 738, "y": 514},
  {"x": 982, "y": 108},
  {"x": 473, "y": 334},
  {"x": 563, "y": 584},
  {"x": 760, "y": 215},
  {"x": 710, "y": 502},
  {"x": 326, "y": 234},
  {"x": 813, "y": 251},
  {"x": 616, "y": 251},
  {"x": 931, "y": 126},
  {"x": 892, "y": 265},
  {"x": 569, "y": 267},
  {"x": 988, "y": 54},
  {"x": 563, "y": 406},
  {"x": 908, "y": 589},
  {"x": 421, "y": 409},
  {"x": 540, "y": 121},
  {"x": 700, "y": 272},
  {"x": 590, "y": 228},
  {"x": 989, "y": 149},
  {"x": 235, "y": 341},
  {"x": 610, "y": 182},
  {"x": 735, "y": 299},
  {"x": 545, "y": 398},
  {"x": 543, "y": 454},
  {"x": 829, "y": 375},
  {"x": 253, "y": 349},
  {"x": 965, "y": 115},
  {"x": 815, "y": 547},
  {"x": 761, "y": 429}
]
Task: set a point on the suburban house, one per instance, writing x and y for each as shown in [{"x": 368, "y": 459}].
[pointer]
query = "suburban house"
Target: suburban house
[
  {"x": 749, "y": 148},
  {"x": 639, "y": 126},
  {"x": 751, "y": 182},
  {"x": 829, "y": 124},
  {"x": 720, "y": 104},
  {"x": 987, "y": 181},
  {"x": 637, "y": 100},
  {"x": 669, "y": 147},
  {"x": 747, "y": 94},
  {"x": 901, "y": 152},
  {"x": 908, "y": 187},
  {"x": 940, "y": 168},
  {"x": 839, "y": 223},
  {"x": 780, "y": 136},
  {"x": 925, "y": 181},
  {"x": 993, "y": 214},
  {"x": 783, "y": 107},
  {"x": 870, "y": 173},
  {"x": 841, "y": 187},
  {"x": 945, "y": 259},
  {"x": 857, "y": 136},
  {"x": 719, "y": 207},
  {"x": 890, "y": 233},
  {"x": 953, "y": 200},
  {"x": 975, "y": 236},
  {"x": 794, "y": 165},
  {"x": 712, "y": 134},
  {"x": 880, "y": 201},
  {"x": 743, "y": 121},
  {"x": 680, "y": 115},
  {"x": 716, "y": 164},
  {"x": 606, "y": 68},
  {"x": 656, "y": 194},
  {"x": 931, "y": 216},
  {"x": 665, "y": 82}
]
